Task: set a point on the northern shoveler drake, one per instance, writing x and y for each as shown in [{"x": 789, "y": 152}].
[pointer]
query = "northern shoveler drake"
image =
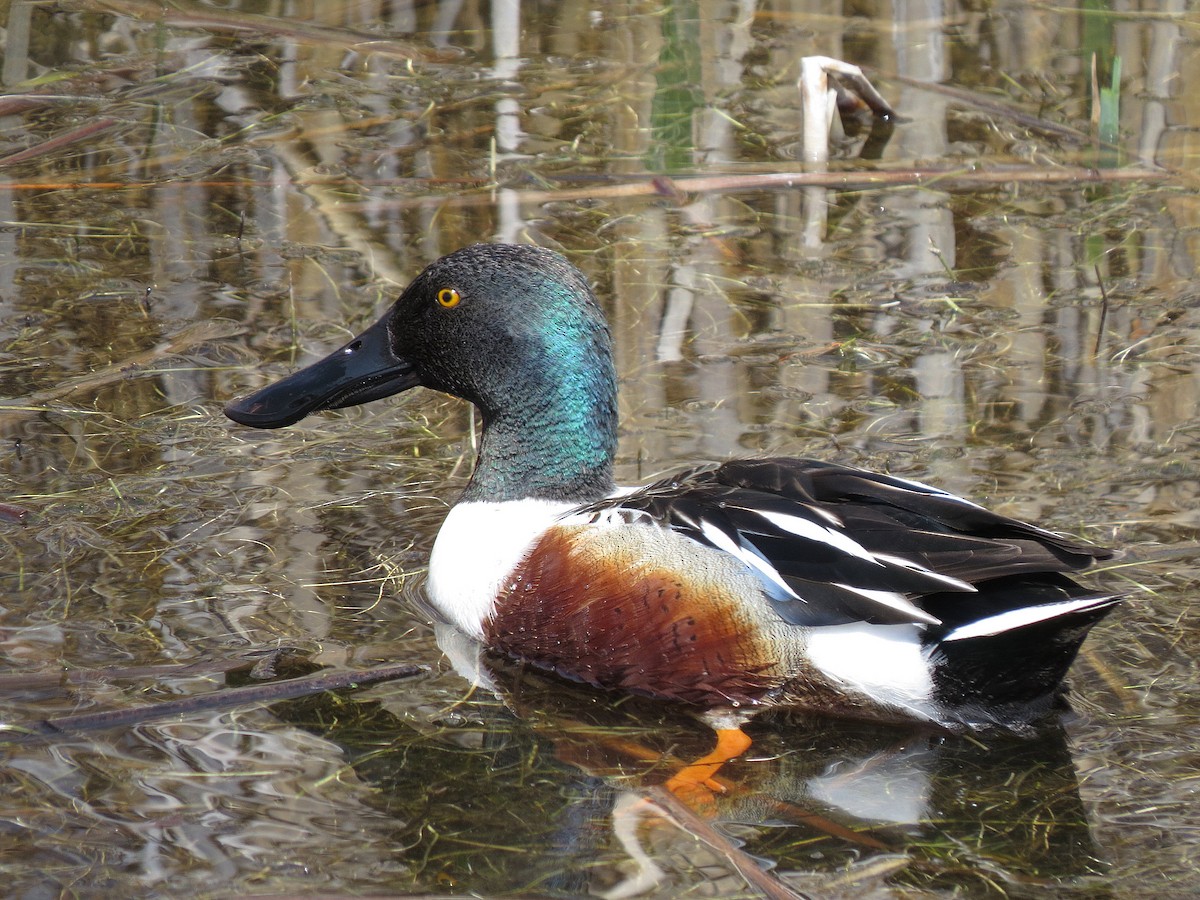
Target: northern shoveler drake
[{"x": 752, "y": 584}]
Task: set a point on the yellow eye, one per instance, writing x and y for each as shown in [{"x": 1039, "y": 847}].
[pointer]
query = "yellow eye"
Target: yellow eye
[{"x": 448, "y": 297}]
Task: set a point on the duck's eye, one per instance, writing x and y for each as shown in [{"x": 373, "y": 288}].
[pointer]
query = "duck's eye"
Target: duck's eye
[{"x": 448, "y": 297}]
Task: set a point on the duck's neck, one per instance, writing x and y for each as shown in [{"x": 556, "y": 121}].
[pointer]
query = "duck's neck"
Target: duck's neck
[{"x": 555, "y": 443}]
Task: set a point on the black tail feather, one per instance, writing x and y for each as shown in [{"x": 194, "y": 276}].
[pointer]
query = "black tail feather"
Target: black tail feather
[{"x": 1021, "y": 666}]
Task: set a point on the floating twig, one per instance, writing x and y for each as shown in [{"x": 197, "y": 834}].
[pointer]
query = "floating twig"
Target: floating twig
[
  {"x": 226, "y": 698},
  {"x": 197, "y": 333},
  {"x": 74, "y": 136},
  {"x": 26, "y": 681},
  {"x": 1103, "y": 313},
  {"x": 603, "y": 188}
]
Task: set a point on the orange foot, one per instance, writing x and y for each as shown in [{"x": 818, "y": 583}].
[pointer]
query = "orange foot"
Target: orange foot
[{"x": 696, "y": 783}]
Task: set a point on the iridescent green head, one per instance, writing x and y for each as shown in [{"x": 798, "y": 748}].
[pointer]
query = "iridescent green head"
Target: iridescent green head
[{"x": 513, "y": 329}]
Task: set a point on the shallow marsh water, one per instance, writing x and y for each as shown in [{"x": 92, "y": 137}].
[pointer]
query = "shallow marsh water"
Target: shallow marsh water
[{"x": 195, "y": 199}]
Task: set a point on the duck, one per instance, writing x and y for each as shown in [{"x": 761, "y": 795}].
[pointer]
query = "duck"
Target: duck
[{"x": 732, "y": 588}]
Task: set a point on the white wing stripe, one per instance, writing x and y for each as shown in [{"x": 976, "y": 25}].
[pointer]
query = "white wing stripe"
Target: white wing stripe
[
  {"x": 814, "y": 532},
  {"x": 1018, "y": 618},
  {"x": 948, "y": 580},
  {"x": 748, "y": 555},
  {"x": 895, "y": 601},
  {"x": 922, "y": 488}
]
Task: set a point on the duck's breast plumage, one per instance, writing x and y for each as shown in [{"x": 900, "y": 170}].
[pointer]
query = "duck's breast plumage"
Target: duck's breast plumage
[
  {"x": 477, "y": 548},
  {"x": 638, "y": 607}
]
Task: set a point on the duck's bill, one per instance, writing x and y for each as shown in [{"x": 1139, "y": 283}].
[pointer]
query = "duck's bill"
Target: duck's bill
[{"x": 365, "y": 369}]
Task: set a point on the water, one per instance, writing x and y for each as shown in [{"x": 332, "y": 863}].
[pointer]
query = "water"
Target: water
[{"x": 233, "y": 192}]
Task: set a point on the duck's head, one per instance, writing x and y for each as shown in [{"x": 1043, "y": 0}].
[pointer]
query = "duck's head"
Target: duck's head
[{"x": 513, "y": 329}]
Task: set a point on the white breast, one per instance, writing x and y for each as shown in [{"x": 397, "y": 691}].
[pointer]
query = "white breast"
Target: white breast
[{"x": 477, "y": 547}]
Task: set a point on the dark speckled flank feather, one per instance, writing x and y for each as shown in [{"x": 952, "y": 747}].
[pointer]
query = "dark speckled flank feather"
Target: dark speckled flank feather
[{"x": 843, "y": 541}]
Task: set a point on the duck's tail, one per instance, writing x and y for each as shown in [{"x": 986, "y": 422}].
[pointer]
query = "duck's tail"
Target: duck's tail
[{"x": 1005, "y": 662}]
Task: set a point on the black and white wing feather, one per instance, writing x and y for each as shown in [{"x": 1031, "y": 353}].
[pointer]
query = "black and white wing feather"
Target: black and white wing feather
[{"x": 833, "y": 544}]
